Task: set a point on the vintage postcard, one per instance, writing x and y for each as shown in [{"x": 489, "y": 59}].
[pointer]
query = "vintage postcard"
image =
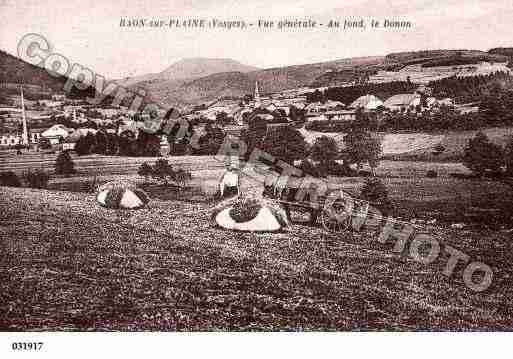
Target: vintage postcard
[{"x": 277, "y": 166}]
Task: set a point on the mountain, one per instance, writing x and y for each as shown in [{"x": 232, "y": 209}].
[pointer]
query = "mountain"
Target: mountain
[
  {"x": 189, "y": 69},
  {"x": 193, "y": 81},
  {"x": 179, "y": 92},
  {"x": 183, "y": 92},
  {"x": 192, "y": 68}
]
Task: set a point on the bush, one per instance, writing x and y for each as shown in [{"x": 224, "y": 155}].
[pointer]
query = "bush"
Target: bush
[
  {"x": 36, "y": 179},
  {"x": 164, "y": 172},
  {"x": 145, "y": 170},
  {"x": 245, "y": 210},
  {"x": 64, "y": 164},
  {"x": 9, "y": 179},
  {"x": 375, "y": 192},
  {"x": 431, "y": 174}
]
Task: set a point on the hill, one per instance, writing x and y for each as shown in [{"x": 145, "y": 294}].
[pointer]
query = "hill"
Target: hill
[
  {"x": 205, "y": 89},
  {"x": 189, "y": 69},
  {"x": 16, "y": 71},
  {"x": 180, "y": 92}
]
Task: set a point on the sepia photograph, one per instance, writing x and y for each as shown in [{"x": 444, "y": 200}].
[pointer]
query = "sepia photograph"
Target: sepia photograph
[{"x": 177, "y": 166}]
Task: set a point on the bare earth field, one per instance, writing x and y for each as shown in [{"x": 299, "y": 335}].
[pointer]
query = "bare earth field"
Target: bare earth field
[{"x": 68, "y": 264}]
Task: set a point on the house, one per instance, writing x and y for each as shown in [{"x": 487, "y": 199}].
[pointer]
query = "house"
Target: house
[
  {"x": 329, "y": 105},
  {"x": 367, "y": 102},
  {"x": 9, "y": 139},
  {"x": 12, "y": 139},
  {"x": 35, "y": 134},
  {"x": 50, "y": 103},
  {"x": 56, "y": 133},
  {"x": 402, "y": 101}
]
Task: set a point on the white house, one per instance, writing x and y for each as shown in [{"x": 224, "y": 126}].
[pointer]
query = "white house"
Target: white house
[
  {"x": 367, "y": 102},
  {"x": 402, "y": 101},
  {"x": 56, "y": 133}
]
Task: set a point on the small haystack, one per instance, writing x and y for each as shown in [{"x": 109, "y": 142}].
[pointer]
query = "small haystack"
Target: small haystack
[
  {"x": 250, "y": 215},
  {"x": 121, "y": 195}
]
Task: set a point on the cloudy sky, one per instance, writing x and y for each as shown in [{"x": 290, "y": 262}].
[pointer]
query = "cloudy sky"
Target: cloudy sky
[{"x": 88, "y": 32}]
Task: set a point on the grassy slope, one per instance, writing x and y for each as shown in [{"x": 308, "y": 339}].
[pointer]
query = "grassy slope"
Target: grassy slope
[{"x": 69, "y": 264}]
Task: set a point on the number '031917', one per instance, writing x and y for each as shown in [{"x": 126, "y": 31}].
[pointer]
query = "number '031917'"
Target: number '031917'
[{"x": 27, "y": 345}]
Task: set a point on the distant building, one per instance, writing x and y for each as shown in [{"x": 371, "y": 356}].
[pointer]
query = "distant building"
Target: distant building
[
  {"x": 367, "y": 102},
  {"x": 13, "y": 139},
  {"x": 56, "y": 133},
  {"x": 402, "y": 101}
]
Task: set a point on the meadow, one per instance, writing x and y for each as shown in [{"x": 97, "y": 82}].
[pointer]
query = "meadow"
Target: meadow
[{"x": 68, "y": 264}]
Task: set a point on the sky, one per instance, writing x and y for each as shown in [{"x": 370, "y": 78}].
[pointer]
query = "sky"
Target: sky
[{"x": 88, "y": 32}]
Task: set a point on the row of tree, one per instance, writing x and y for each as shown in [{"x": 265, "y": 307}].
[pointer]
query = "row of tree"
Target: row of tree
[
  {"x": 288, "y": 144},
  {"x": 127, "y": 143}
]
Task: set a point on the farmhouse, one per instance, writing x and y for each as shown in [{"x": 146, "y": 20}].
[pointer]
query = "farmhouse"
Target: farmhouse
[
  {"x": 56, "y": 133},
  {"x": 402, "y": 101},
  {"x": 367, "y": 102}
]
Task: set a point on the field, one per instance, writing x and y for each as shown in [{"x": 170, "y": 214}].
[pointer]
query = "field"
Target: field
[
  {"x": 418, "y": 146},
  {"x": 68, "y": 264},
  {"x": 91, "y": 165}
]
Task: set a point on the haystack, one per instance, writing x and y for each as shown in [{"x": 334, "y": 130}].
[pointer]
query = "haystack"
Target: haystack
[
  {"x": 250, "y": 215},
  {"x": 119, "y": 195}
]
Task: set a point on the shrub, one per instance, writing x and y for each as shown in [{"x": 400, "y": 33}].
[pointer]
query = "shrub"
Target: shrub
[
  {"x": 145, "y": 170},
  {"x": 9, "y": 179},
  {"x": 36, "y": 179},
  {"x": 165, "y": 173},
  {"x": 374, "y": 191},
  {"x": 245, "y": 209},
  {"x": 431, "y": 174},
  {"x": 64, "y": 164}
]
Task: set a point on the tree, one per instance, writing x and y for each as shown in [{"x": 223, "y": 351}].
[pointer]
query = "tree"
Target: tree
[
  {"x": 64, "y": 164},
  {"x": 211, "y": 141},
  {"x": 375, "y": 192},
  {"x": 85, "y": 144},
  {"x": 126, "y": 143},
  {"x": 148, "y": 144},
  {"x": 100, "y": 143},
  {"x": 254, "y": 136},
  {"x": 324, "y": 149},
  {"x": 285, "y": 143},
  {"x": 508, "y": 157},
  {"x": 179, "y": 137},
  {"x": 112, "y": 147},
  {"x": 481, "y": 155},
  {"x": 362, "y": 148}
]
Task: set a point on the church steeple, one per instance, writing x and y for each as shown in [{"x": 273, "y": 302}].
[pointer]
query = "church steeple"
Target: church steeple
[
  {"x": 257, "y": 95},
  {"x": 24, "y": 136}
]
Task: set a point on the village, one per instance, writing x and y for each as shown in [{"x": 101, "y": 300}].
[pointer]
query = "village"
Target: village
[{"x": 45, "y": 118}]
